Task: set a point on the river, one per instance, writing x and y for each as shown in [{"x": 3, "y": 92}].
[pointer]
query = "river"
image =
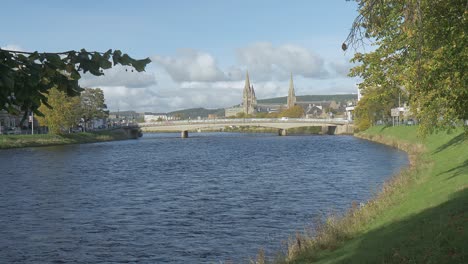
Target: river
[{"x": 211, "y": 198}]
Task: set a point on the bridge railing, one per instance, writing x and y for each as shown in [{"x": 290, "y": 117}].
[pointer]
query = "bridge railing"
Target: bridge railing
[{"x": 227, "y": 121}]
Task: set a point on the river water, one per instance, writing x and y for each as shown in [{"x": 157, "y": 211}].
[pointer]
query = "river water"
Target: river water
[{"x": 211, "y": 198}]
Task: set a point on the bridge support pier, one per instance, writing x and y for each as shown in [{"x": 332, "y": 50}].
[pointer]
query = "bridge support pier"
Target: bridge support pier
[
  {"x": 184, "y": 134},
  {"x": 328, "y": 130},
  {"x": 282, "y": 132},
  {"x": 132, "y": 132}
]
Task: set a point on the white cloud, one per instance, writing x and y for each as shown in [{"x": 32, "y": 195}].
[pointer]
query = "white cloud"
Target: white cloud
[
  {"x": 191, "y": 65},
  {"x": 169, "y": 95},
  {"x": 12, "y": 47},
  {"x": 124, "y": 98},
  {"x": 214, "y": 85},
  {"x": 270, "y": 89},
  {"x": 267, "y": 62},
  {"x": 170, "y": 99},
  {"x": 235, "y": 73},
  {"x": 341, "y": 68},
  {"x": 119, "y": 76}
]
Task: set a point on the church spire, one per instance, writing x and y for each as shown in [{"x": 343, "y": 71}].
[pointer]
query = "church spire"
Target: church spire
[
  {"x": 247, "y": 81},
  {"x": 249, "y": 101},
  {"x": 291, "y": 93}
]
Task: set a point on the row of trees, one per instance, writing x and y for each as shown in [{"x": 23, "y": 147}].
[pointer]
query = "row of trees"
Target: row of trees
[
  {"x": 66, "y": 112},
  {"x": 420, "y": 54}
]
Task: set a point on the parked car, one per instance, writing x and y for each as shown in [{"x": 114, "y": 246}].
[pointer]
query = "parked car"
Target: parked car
[{"x": 13, "y": 131}]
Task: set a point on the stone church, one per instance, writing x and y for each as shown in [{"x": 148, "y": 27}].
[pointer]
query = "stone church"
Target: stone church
[{"x": 249, "y": 101}]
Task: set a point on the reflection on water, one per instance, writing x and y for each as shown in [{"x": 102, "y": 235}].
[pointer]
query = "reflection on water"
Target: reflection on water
[{"x": 210, "y": 198}]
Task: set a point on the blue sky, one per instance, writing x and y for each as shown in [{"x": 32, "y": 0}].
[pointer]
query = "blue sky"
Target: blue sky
[{"x": 200, "y": 49}]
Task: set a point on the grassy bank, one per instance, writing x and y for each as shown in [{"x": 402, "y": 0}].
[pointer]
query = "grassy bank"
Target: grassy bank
[
  {"x": 421, "y": 215},
  {"x": 20, "y": 141}
]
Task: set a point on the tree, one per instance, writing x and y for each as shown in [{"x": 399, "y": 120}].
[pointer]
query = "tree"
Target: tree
[
  {"x": 93, "y": 104},
  {"x": 421, "y": 48},
  {"x": 27, "y": 77},
  {"x": 62, "y": 114},
  {"x": 375, "y": 105},
  {"x": 243, "y": 115},
  {"x": 293, "y": 112}
]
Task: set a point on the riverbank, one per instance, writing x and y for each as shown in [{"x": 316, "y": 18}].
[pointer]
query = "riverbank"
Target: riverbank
[
  {"x": 418, "y": 217},
  {"x": 21, "y": 141}
]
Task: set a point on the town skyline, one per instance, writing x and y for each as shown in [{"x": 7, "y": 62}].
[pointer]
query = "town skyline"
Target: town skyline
[{"x": 199, "y": 51}]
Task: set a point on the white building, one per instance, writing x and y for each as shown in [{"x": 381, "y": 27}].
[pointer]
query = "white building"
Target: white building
[
  {"x": 155, "y": 117},
  {"x": 350, "y": 108}
]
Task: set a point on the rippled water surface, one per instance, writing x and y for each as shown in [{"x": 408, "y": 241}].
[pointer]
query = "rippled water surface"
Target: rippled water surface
[{"x": 206, "y": 199}]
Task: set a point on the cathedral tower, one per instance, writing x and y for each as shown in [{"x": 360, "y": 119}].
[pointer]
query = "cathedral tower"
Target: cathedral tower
[
  {"x": 291, "y": 94},
  {"x": 249, "y": 100}
]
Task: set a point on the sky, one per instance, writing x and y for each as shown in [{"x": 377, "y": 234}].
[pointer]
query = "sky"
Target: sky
[{"x": 200, "y": 49}]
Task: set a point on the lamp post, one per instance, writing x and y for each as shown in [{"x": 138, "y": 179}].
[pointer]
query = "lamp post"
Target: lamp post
[{"x": 31, "y": 120}]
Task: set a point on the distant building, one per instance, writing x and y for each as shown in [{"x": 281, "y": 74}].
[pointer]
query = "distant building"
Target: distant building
[
  {"x": 12, "y": 123},
  {"x": 270, "y": 108},
  {"x": 350, "y": 107},
  {"x": 125, "y": 116},
  {"x": 334, "y": 105},
  {"x": 249, "y": 100},
  {"x": 359, "y": 95},
  {"x": 314, "y": 111},
  {"x": 291, "y": 94},
  {"x": 8, "y": 121},
  {"x": 155, "y": 117},
  {"x": 318, "y": 109}
]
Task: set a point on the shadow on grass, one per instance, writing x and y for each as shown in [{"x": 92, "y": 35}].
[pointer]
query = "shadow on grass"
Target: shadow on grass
[
  {"x": 456, "y": 171},
  {"x": 436, "y": 235},
  {"x": 384, "y": 127},
  {"x": 454, "y": 141}
]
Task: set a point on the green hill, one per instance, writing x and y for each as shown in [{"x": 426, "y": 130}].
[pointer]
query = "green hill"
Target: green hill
[
  {"x": 311, "y": 98},
  {"x": 194, "y": 113}
]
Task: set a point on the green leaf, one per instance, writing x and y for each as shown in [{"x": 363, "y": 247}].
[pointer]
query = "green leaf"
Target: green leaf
[
  {"x": 126, "y": 60},
  {"x": 7, "y": 83},
  {"x": 116, "y": 57},
  {"x": 140, "y": 65},
  {"x": 54, "y": 59}
]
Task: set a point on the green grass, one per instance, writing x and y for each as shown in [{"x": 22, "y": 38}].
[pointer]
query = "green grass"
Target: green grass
[
  {"x": 419, "y": 217},
  {"x": 20, "y": 141}
]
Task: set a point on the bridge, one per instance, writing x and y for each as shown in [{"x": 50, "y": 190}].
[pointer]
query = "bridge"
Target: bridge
[{"x": 329, "y": 126}]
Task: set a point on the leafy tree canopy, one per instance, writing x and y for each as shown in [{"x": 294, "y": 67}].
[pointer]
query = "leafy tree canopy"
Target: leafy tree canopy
[
  {"x": 27, "y": 77},
  {"x": 62, "y": 115},
  {"x": 293, "y": 112},
  {"x": 420, "y": 52},
  {"x": 93, "y": 104}
]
